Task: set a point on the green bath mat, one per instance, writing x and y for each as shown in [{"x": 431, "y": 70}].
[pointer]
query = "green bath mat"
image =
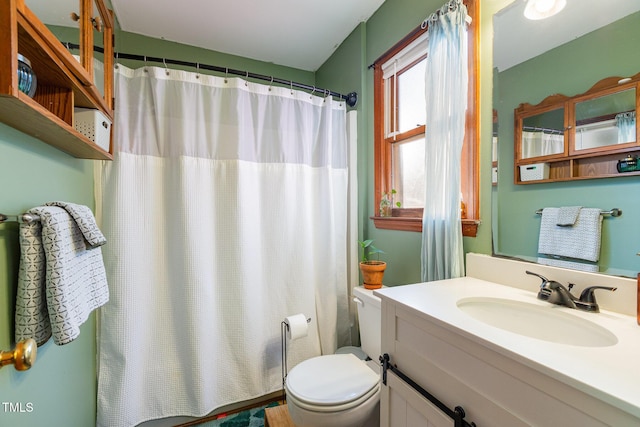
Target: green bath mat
[{"x": 249, "y": 418}]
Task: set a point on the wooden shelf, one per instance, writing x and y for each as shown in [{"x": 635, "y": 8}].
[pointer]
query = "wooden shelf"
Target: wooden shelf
[
  {"x": 584, "y": 167},
  {"x": 63, "y": 84},
  {"x": 580, "y": 163}
]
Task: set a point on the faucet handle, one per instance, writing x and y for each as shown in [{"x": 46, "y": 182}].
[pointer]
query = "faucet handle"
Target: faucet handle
[
  {"x": 544, "y": 279},
  {"x": 588, "y": 294}
]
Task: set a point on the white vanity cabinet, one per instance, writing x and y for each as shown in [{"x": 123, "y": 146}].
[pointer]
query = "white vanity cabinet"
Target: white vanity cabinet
[{"x": 494, "y": 385}]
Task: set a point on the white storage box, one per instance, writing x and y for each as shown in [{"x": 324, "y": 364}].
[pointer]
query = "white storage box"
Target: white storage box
[
  {"x": 94, "y": 125},
  {"x": 534, "y": 172}
]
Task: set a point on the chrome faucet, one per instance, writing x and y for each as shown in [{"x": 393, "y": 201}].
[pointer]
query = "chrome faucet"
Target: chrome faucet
[{"x": 555, "y": 293}]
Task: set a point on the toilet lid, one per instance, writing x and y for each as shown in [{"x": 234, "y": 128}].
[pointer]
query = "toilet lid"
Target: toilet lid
[{"x": 331, "y": 380}]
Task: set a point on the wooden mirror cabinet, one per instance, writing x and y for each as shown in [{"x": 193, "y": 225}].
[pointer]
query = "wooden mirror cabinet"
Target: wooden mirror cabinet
[
  {"x": 581, "y": 137},
  {"x": 64, "y": 83}
]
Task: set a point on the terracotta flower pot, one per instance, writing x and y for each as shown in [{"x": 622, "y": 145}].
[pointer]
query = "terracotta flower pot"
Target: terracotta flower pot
[{"x": 372, "y": 273}]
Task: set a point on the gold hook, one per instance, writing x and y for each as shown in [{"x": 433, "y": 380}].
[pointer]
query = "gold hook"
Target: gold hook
[{"x": 22, "y": 357}]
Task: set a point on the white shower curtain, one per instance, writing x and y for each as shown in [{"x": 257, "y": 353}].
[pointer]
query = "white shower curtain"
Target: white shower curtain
[
  {"x": 225, "y": 210},
  {"x": 442, "y": 255},
  {"x": 539, "y": 143}
]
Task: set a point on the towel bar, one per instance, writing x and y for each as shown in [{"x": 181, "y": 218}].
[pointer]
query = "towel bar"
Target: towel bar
[
  {"x": 613, "y": 212},
  {"x": 26, "y": 218}
]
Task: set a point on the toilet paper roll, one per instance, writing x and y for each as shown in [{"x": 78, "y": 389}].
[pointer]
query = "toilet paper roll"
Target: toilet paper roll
[{"x": 297, "y": 326}]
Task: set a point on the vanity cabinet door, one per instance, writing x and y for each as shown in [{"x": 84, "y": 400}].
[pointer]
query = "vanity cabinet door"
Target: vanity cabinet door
[{"x": 402, "y": 406}]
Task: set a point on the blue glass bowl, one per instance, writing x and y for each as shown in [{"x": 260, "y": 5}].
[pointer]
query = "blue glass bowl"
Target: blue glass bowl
[{"x": 27, "y": 81}]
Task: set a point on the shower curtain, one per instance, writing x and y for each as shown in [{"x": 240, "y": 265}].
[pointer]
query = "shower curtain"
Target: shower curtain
[
  {"x": 225, "y": 210},
  {"x": 539, "y": 143}
]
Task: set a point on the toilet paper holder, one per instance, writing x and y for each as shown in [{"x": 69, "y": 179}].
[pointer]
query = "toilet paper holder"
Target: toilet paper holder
[{"x": 284, "y": 328}]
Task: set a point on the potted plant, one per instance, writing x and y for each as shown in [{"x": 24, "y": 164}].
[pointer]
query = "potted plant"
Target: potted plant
[
  {"x": 372, "y": 270},
  {"x": 386, "y": 203}
]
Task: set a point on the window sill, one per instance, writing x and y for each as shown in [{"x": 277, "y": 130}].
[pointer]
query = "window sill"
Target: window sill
[{"x": 469, "y": 226}]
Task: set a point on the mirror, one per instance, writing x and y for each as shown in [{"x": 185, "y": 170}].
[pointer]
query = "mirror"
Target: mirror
[
  {"x": 605, "y": 121},
  {"x": 565, "y": 54},
  {"x": 542, "y": 134}
]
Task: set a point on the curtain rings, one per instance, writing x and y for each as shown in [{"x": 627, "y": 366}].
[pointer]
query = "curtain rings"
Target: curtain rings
[
  {"x": 449, "y": 6},
  {"x": 116, "y": 64},
  {"x": 246, "y": 79},
  {"x": 270, "y": 83},
  {"x": 197, "y": 70},
  {"x": 311, "y": 96},
  {"x": 166, "y": 70},
  {"x": 226, "y": 74}
]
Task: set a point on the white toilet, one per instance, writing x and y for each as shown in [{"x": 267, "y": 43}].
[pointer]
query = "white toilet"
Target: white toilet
[{"x": 342, "y": 389}]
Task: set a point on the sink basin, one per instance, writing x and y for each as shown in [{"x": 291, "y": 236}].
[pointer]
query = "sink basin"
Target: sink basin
[{"x": 543, "y": 322}]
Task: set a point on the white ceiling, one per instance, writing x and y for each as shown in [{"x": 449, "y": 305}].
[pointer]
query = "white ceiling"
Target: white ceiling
[
  {"x": 304, "y": 33},
  {"x": 517, "y": 39},
  {"x": 301, "y": 34}
]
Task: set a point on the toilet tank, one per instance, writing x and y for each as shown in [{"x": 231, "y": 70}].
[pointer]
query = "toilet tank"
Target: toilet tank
[{"x": 369, "y": 320}]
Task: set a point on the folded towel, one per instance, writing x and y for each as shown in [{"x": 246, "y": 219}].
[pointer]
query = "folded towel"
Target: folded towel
[
  {"x": 60, "y": 281},
  {"x": 32, "y": 316},
  {"x": 86, "y": 222},
  {"x": 573, "y": 265},
  {"x": 568, "y": 215},
  {"x": 581, "y": 240}
]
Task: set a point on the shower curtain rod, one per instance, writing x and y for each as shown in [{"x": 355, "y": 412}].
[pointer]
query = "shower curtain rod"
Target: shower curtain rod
[{"x": 351, "y": 98}]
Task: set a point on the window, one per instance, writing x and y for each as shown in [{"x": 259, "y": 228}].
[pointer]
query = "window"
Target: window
[{"x": 399, "y": 132}]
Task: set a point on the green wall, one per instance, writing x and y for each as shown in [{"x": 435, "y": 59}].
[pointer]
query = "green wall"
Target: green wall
[
  {"x": 61, "y": 385},
  {"x": 393, "y": 21},
  {"x": 570, "y": 69}
]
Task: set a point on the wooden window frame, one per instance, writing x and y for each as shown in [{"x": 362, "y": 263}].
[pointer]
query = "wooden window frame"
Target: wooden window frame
[{"x": 410, "y": 219}]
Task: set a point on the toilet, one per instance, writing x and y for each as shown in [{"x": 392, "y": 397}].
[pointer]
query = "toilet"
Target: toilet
[{"x": 342, "y": 389}]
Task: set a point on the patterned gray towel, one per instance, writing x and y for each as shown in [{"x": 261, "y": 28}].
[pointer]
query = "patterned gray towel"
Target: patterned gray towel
[
  {"x": 567, "y": 216},
  {"x": 581, "y": 240},
  {"x": 60, "y": 281},
  {"x": 86, "y": 222}
]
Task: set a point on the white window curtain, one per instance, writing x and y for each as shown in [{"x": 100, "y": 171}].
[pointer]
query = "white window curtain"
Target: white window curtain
[
  {"x": 225, "y": 210},
  {"x": 626, "y": 123},
  {"x": 446, "y": 84}
]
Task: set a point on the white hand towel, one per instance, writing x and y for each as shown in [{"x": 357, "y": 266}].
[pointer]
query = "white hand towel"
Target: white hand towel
[
  {"x": 568, "y": 216},
  {"x": 73, "y": 278},
  {"x": 581, "y": 240}
]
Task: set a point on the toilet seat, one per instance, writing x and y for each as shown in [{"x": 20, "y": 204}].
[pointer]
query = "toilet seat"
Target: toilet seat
[{"x": 332, "y": 383}]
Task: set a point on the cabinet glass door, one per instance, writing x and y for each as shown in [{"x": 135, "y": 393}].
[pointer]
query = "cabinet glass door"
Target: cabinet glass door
[
  {"x": 605, "y": 122},
  {"x": 543, "y": 134}
]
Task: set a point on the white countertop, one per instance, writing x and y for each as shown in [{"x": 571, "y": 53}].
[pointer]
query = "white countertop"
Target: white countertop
[{"x": 611, "y": 374}]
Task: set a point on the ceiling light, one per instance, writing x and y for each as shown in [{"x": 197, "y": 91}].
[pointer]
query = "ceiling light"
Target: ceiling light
[{"x": 541, "y": 9}]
